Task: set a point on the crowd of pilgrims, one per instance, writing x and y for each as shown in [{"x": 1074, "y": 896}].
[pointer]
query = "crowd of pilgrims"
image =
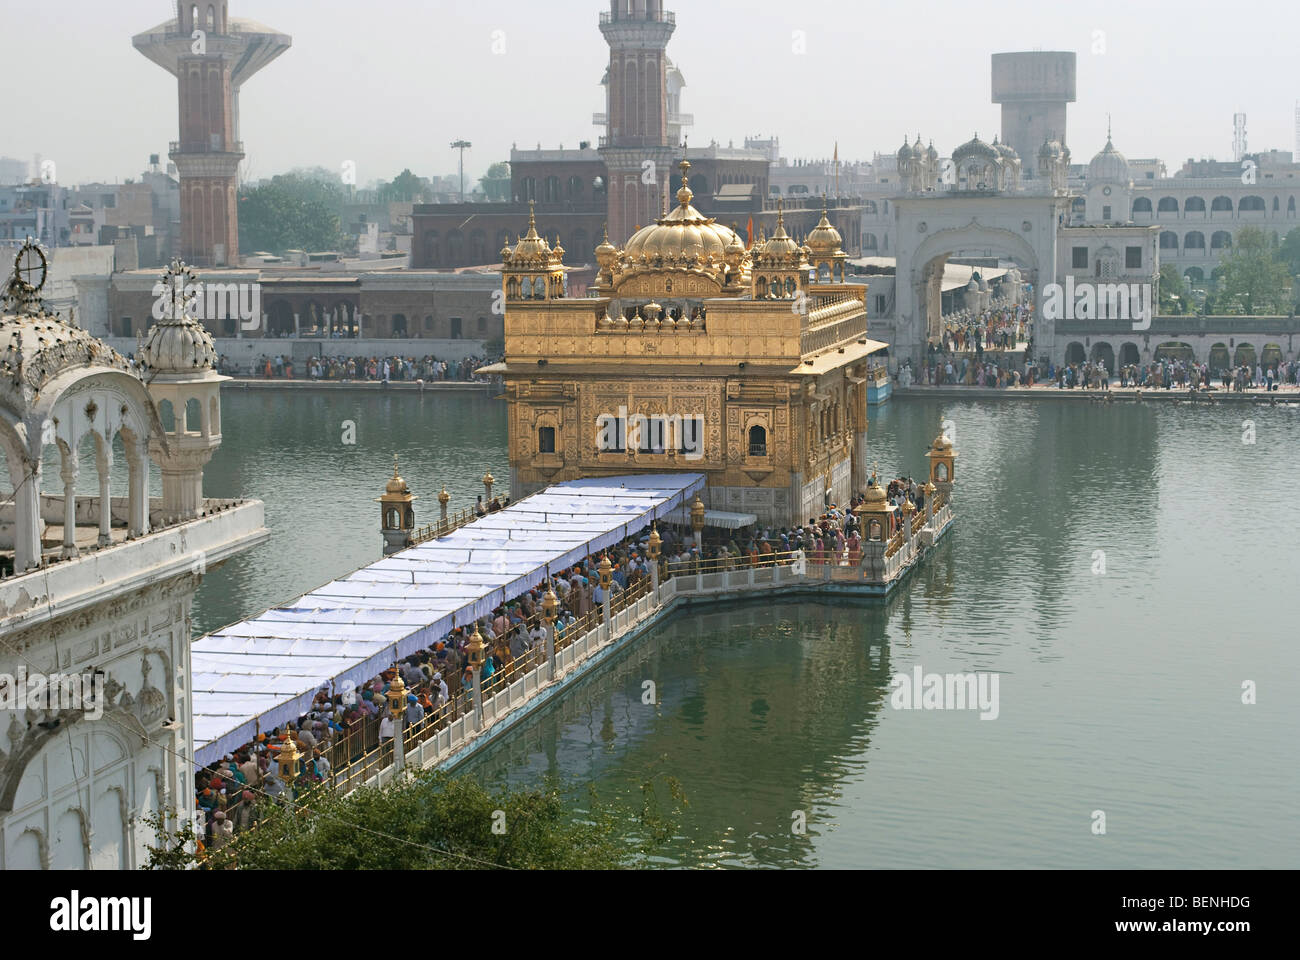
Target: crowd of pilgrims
[
  {"x": 428, "y": 369},
  {"x": 342, "y": 726},
  {"x": 1170, "y": 373},
  {"x": 1000, "y": 328}
]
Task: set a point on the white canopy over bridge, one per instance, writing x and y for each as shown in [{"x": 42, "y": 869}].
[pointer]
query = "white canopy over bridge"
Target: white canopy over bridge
[{"x": 257, "y": 674}]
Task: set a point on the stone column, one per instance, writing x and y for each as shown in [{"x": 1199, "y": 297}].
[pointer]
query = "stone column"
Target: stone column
[
  {"x": 69, "y": 477},
  {"x": 137, "y": 460},
  {"x": 104, "y": 466},
  {"x": 26, "y": 480},
  {"x": 297, "y": 328}
]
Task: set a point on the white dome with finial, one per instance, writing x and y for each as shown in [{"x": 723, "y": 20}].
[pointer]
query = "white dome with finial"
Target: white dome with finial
[{"x": 178, "y": 343}]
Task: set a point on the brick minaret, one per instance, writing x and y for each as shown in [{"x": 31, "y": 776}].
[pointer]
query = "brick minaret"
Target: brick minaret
[
  {"x": 637, "y": 32},
  {"x": 211, "y": 56}
]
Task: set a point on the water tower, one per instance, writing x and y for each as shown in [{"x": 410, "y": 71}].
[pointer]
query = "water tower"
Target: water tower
[
  {"x": 210, "y": 55},
  {"x": 1033, "y": 89}
]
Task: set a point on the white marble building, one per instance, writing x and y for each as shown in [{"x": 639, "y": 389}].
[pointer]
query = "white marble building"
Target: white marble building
[{"x": 102, "y": 585}]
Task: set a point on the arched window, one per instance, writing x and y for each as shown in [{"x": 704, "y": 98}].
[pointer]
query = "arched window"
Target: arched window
[
  {"x": 1142, "y": 205},
  {"x": 399, "y": 325},
  {"x": 871, "y": 206},
  {"x": 212, "y": 19},
  {"x": 193, "y": 416},
  {"x": 700, "y": 185},
  {"x": 762, "y": 286},
  {"x": 1168, "y": 240},
  {"x": 512, "y": 289},
  {"x": 1276, "y": 205},
  {"x": 757, "y": 442},
  {"x": 1254, "y": 204},
  {"x": 1221, "y": 205},
  {"x": 575, "y": 188},
  {"x": 528, "y": 189},
  {"x": 526, "y": 289},
  {"x": 1195, "y": 240},
  {"x": 869, "y": 241},
  {"x": 1290, "y": 206},
  {"x": 1194, "y": 205},
  {"x": 789, "y": 287},
  {"x": 545, "y": 439},
  {"x": 431, "y": 251},
  {"x": 1167, "y": 205},
  {"x": 482, "y": 324},
  {"x": 1221, "y": 240},
  {"x": 551, "y": 190}
]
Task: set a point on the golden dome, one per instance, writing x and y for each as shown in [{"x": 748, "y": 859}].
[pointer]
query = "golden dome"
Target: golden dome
[
  {"x": 531, "y": 247},
  {"x": 606, "y": 252},
  {"x": 824, "y": 240},
  {"x": 395, "y": 483},
  {"x": 941, "y": 442},
  {"x": 682, "y": 238},
  {"x": 781, "y": 246}
]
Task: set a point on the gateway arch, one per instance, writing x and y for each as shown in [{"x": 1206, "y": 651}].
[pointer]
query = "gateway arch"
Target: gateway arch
[{"x": 975, "y": 206}]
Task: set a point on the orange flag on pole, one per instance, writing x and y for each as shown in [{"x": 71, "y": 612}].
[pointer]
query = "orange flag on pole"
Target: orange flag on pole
[{"x": 749, "y": 231}]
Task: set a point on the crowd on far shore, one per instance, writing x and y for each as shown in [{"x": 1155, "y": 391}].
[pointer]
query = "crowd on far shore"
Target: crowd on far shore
[
  {"x": 950, "y": 370},
  {"x": 428, "y": 368}
]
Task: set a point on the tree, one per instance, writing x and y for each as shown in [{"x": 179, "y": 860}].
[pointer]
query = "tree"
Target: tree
[
  {"x": 1175, "y": 298},
  {"x": 496, "y": 182},
  {"x": 406, "y": 186},
  {"x": 291, "y": 212},
  {"x": 1254, "y": 277},
  {"x": 1289, "y": 252},
  {"x": 430, "y": 821}
]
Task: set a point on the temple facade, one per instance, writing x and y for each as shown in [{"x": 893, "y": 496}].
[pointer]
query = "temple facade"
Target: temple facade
[{"x": 691, "y": 351}]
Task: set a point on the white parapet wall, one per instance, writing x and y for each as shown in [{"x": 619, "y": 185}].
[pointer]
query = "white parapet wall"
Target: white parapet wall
[{"x": 77, "y": 784}]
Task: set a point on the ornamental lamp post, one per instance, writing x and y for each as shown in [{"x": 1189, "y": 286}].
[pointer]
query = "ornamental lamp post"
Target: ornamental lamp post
[
  {"x": 653, "y": 550},
  {"x": 397, "y": 704},
  {"x": 697, "y": 523},
  {"x": 908, "y": 509},
  {"x": 475, "y": 650},
  {"x": 606, "y": 572},
  {"x": 288, "y": 758},
  {"x": 929, "y": 489},
  {"x": 443, "y": 499},
  {"x": 488, "y": 480},
  {"x": 550, "y": 604}
]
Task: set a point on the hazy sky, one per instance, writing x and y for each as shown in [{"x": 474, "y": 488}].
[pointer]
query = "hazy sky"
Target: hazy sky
[{"x": 390, "y": 84}]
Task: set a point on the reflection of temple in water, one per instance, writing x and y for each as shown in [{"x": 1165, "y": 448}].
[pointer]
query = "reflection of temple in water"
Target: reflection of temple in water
[{"x": 740, "y": 690}]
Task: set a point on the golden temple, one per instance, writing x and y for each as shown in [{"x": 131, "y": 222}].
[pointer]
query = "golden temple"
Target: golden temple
[{"x": 692, "y": 351}]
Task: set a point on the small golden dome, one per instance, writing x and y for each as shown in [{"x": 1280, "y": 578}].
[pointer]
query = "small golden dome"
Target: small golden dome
[
  {"x": 825, "y": 240},
  {"x": 396, "y": 486},
  {"x": 606, "y": 252},
  {"x": 941, "y": 442},
  {"x": 781, "y": 246},
  {"x": 531, "y": 247},
  {"x": 444, "y": 496}
]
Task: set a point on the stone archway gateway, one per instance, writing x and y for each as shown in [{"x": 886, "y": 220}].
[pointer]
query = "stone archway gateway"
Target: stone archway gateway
[{"x": 934, "y": 227}]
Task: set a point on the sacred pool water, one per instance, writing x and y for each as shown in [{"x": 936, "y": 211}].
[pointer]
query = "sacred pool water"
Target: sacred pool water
[{"x": 1128, "y": 573}]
